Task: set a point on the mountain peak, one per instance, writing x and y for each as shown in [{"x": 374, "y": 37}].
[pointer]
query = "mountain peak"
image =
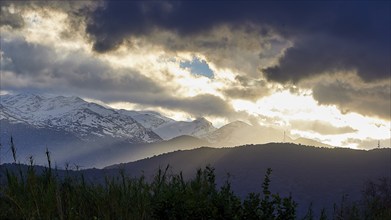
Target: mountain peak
[
  {"x": 73, "y": 114},
  {"x": 202, "y": 120},
  {"x": 197, "y": 128},
  {"x": 237, "y": 123}
]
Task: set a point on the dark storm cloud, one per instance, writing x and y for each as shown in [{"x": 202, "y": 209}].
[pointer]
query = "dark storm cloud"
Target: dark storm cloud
[
  {"x": 371, "y": 100},
  {"x": 327, "y": 36},
  {"x": 320, "y": 127},
  {"x": 34, "y": 67},
  {"x": 322, "y": 54}
]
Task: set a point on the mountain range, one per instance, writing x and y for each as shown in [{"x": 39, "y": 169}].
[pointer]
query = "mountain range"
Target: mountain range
[{"x": 87, "y": 133}]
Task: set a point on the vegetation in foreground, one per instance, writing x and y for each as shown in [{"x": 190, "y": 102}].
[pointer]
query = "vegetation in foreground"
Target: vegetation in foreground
[
  {"x": 28, "y": 195},
  {"x": 166, "y": 197}
]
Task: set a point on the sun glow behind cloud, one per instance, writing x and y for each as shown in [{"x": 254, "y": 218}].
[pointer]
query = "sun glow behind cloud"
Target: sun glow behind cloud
[{"x": 283, "y": 107}]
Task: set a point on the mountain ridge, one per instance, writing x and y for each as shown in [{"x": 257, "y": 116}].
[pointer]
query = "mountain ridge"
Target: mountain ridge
[
  {"x": 312, "y": 175},
  {"x": 72, "y": 114},
  {"x": 76, "y": 129}
]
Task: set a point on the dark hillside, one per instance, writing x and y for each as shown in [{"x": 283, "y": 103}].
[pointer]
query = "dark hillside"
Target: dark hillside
[{"x": 320, "y": 175}]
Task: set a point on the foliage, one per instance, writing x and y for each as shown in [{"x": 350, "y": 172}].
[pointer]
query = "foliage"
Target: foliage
[
  {"x": 375, "y": 203},
  {"x": 46, "y": 196}
]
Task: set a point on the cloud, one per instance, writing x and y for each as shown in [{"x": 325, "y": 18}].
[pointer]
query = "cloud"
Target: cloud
[
  {"x": 242, "y": 49},
  {"x": 200, "y": 105},
  {"x": 28, "y": 64},
  {"x": 350, "y": 94},
  {"x": 15, "y": 9},
  {"x": 248, "y": 88},
  {"x": 369, "y": 143},
  {"x": 327, "y": 54},
  {"x": 10, "y": 18},
  {"x": 320, "y": 127},
  {"x": 289, "y": 42},
  {"x": 327, "y": 36},
  {"x": 42, "y": 68},
  {"x": 137, "y": 47}
]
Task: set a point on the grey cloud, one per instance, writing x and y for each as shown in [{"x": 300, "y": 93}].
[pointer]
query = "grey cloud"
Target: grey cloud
[
  {"x": 327, "y": 35},
  {"x": 320, "y": 127},
  {"x": 7, "y": 18},
  {"x": 201, "y": 105},
  {"x": 367, "y": 99},
  {"x": 39, "y": 68},
  {"x": 197, "y": 106},
  {"x": 237, "y": 49},
  {"x": 76, "y": 70},
  {"x": 248, "y": 88},
  {"x": 252, "y": 94},
  {"x": 26, "y": 58},
  {"x": 76, "y": 11},
  {"x": 323, "y": 38},
  {"x": 326, "y": 54},
  {"x": 369, "y": 143}
]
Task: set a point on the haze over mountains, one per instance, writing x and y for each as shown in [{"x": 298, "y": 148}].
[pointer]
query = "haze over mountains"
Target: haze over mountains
[
  {"x": 94, "y": 135},
  {"x": 91, "y": 135}
]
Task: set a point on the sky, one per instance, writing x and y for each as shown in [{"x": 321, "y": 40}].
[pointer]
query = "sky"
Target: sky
[{"x": 316, "y": 69}]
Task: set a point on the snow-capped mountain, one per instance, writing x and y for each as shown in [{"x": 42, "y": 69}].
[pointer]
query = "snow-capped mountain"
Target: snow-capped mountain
[
  {"x": 78, "y": 131},
  {"x": 239, "y": 133},
  {"x": 90, "y": 120},
  {"x": 197, "y": 128},
  {"x": 149, "y": 119},
  {"x": 72, "y": 114},
  {"x": 168, "y": 128}
]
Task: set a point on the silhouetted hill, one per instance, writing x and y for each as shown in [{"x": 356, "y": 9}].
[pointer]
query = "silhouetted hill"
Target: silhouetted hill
[
  {"x": 318, "y": 175},
  {"x": 310, "y": 142},
  {"x": 240, "y": 133}
]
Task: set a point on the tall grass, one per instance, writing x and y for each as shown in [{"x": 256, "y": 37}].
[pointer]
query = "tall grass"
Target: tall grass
[{"x": 46, "y": 196}]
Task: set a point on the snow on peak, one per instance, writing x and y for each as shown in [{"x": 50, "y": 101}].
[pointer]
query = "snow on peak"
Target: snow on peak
[
  {"x": 148, "y": 119},
  {"x": 198, "y": 128},
  {"x": 73, "y": 114},
  {"x": 202, "y": 120},
  {"x": 237, "y": 124}
]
